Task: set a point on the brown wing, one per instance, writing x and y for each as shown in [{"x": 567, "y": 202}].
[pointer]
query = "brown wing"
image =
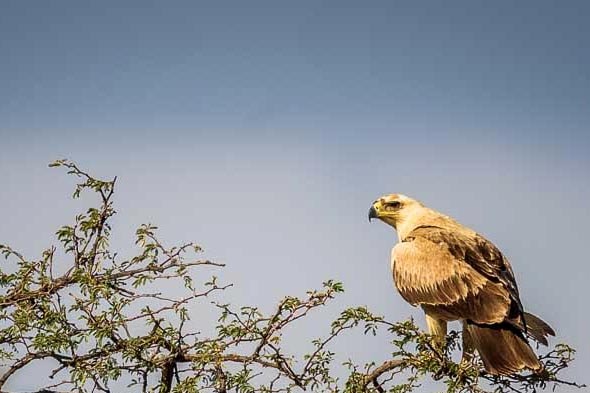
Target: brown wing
[
  {"x": 481, "y": 254},
  {"x": 454, "y": 276}
]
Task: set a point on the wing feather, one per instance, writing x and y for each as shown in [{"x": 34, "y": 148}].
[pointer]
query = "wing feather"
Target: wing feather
[
  {"x": 473, "y": 249},
  {"x": 448, "y": 275}
]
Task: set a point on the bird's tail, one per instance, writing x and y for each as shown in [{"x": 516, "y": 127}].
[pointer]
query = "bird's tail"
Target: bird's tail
[
  {"x": 537, "y": 328},
  {"x": 502, "y": 348}
]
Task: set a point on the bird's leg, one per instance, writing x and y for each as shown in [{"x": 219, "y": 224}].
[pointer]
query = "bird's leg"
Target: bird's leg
[
  {"x": 468, "y": 347},
  {"x": 438, "y": 329}
]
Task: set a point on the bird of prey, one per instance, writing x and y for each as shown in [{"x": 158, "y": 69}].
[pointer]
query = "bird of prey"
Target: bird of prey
[{"x": 454, "y": 273}]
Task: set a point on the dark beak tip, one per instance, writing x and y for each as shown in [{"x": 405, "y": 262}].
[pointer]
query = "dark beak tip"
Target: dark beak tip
[{"x": 372, "y": 213}]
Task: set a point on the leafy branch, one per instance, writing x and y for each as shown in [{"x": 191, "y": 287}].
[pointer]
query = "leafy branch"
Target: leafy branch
[{"x": 107, "y": 325}]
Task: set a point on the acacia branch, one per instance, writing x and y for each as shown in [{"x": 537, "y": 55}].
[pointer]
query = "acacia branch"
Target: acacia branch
[{"x": 113, "y": 323}]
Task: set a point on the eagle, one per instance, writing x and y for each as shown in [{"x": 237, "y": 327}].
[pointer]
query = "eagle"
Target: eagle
[{"x": 455, "y": 274}]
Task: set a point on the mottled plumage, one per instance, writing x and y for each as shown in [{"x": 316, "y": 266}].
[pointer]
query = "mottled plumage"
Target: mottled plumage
[{"x": 453, "y": 273}]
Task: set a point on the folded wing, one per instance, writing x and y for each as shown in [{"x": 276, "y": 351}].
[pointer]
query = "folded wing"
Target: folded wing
[{"x": 459, "y": 275}]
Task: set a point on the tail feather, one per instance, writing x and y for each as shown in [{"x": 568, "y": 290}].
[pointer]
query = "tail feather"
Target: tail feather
[
  {"x": 502, "y": 349},
  {"x": 537, "y": 328}
]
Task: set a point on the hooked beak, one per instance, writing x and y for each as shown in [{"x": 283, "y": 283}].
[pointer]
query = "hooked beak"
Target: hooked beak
[{"x": 372, "y": 213}]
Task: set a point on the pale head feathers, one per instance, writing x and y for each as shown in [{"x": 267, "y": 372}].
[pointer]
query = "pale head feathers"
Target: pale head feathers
[
  {"x": 404, "y": 213},
  {"x": 395, "y": 209}
]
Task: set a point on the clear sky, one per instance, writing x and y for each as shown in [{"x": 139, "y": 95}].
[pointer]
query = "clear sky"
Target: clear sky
[{"x": 265, "y": 130}]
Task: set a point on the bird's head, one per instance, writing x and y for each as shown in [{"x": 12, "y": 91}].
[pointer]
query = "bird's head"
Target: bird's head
[{"x": 393, "y": 209}]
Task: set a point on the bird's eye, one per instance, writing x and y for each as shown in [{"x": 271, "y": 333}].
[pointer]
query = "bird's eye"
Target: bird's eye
[{"x": 394, "y": 205}]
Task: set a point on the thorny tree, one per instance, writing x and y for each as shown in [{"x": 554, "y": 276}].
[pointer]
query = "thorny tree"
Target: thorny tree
[{"x": 105, "y": 327}]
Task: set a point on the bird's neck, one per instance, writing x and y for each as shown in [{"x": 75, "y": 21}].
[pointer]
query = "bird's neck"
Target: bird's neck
[{"x": 421, "y": 217}]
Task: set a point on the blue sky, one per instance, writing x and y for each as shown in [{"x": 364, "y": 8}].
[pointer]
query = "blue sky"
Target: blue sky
[{"x": 264, "y": 131}]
